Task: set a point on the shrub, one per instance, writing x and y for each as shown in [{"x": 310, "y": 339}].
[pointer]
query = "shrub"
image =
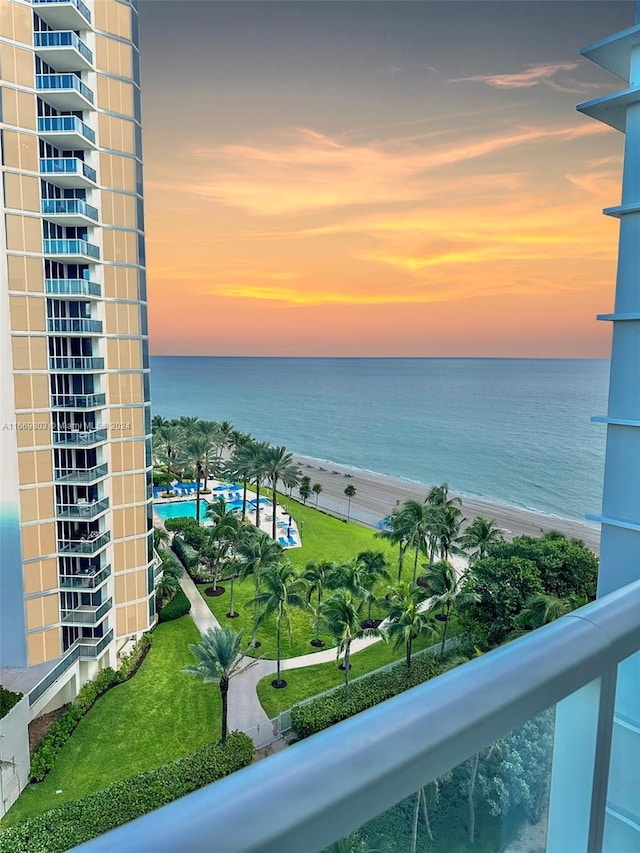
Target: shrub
[
  {"x": 74, "y": 823},
  {"x": 131, "y": 663},
  {"x": 90, "y": 691},
  {"x": 177, "y": 607},
  {"x": 180, "y": 524},
  {"x": 364, "y": 693},
  {"x": 187, "y": 555},
  {"x": 7, "y": 700}
]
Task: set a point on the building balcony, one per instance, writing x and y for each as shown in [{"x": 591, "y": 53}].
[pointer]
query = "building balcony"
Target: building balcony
[
  {"x": 75, "y": 363},
  {"x": 66, "y": 132},
  {"x": 69, "y": 212},
  {"x": 78, "y": 401},
  {"x": 71, "y": 251},
  {"x": 74, "y": 325},
  {"x": 64, "y": 91},
  {"x": 92, "y": 647},
  {"x": 72, "y": 287},
  {"x": 80, "y": 475},
  {"x": 63, "y": 50},
  {"x": 82, "y": 509},
  {"x": 85, "y": 579},
  {"x": 63, "y": 14},
  {"x": 67, "y": 172},
  {"x": 86, "y": 546},
  {"x": 76, "y": 438},
  {"x": 85, "y": 614}
]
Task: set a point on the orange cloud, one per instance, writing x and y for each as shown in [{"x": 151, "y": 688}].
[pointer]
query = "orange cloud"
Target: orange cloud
[{"x": 532, "y": 76}]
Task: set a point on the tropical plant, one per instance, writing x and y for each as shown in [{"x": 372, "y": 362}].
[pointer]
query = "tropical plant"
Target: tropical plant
[
  {"x": 374, "y": 567},
  {"x": 439, "y": 496},
  {"x": 210, "y": 431},
  {"x": 169, "y": 447},
  {"x": 406, "y": 620},
  {"x": 447, "y": 590},
  {"x": 256, "y": 552},
  {"x": 542, "y": 608},
  {"x": 257, "y": 453},
  {"x": 160, "y": 537},
  {"x": 397, "y": 532},
  {"x": 341, "y": 615},
  {"x": 219, "y": 658},
  {"x": 317, "y": 491},
  {"x": 240, "y": 467},
  {"x": 222, "y": 536},
  {"x": 283, "y": 588},
  {"x": 197, "y": 452},
  {"x": 317, "y": 576},
  {"x": 167, "y": 587},
  {"x": 479, "y": 536},
  {"x": 305, "y": 489},
  {"x": 278, "y": 464},
  {"x": 447, "y": 522},
  {"x": 419, "y": 520},
  {"x": 350, "y": 493}
]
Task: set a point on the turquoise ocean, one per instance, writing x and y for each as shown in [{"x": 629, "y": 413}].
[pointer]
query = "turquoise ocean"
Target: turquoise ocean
[{"x": 512, "y": 431}]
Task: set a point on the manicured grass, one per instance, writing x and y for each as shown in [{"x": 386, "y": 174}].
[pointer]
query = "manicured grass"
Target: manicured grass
[
  {"x": 311, "y": 680},
  {"x": 158, "y": 715}
]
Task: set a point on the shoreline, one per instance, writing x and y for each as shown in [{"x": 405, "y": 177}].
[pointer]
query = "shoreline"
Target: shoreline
[{"x": 378, "y": 494}]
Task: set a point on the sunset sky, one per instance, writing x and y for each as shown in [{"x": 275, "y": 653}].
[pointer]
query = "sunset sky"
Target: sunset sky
[{"x": 378, "y": 179}]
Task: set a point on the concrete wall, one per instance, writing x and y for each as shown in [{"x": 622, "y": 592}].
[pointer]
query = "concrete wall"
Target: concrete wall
[{"x": 14, "y": 747}]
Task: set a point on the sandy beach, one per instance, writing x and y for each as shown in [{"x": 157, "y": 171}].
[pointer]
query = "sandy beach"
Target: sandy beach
[{"x": 377, "y": 495}]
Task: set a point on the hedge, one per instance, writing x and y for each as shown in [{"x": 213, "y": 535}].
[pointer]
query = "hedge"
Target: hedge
[
  {"x": 330, "y": 708},
  {"x": 74, "y": 823},
  {"x": 177, "y": 607},
  {"x": 187, "y": 555},
  {"x": 7, "y": 700}
]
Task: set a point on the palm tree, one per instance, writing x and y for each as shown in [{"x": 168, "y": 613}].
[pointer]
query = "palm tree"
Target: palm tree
[
  {"x": 197, "y": 453},
  {"x": 256, "y": 552},
  {"x": 341, "y": 615},
  {"x": 223, "y": 534},
  {"x": 210, "y": 431},
  {"x": 406, "y": 620},
  {"x": 397, "y": 532},
  {"x": 305, "y": 489},
  {"x": 317, "y": 576},
  {"x": 419, "y": 520},
  {"x": 291, "y": 477},
  {"x": 160, "y": 537},
  {"x": 277, "y": 464},
  {"x": 350, "y": 492},
  {"x": 167, "y": 587},
  {"x": 542, "y": 608},
  {"x": 447, "y": 522},
  {"x": 257, "y": 452},
  {"x": 317, "y": 491},
  {"x": 374, "y": 566},
  {"x": 283, "y": 588},
  {"x": 446, "y": 590},
  {"x": 219, "y": 658},
  {"x": 240, "y": 467},
  {"x": 479, "y": 536},
  {"x": 439, "y": 496},
  {"x": 169, "y": 447}
]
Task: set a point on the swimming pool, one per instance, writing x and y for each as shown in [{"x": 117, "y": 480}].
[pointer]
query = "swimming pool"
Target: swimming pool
[{"x": 179, "y": 509}]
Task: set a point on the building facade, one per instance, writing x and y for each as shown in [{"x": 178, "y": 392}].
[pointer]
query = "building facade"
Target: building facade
[{"x": 77, "y": 569}]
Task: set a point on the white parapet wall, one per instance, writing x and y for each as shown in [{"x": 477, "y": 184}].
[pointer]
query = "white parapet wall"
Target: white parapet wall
[{"x": 14, "y": 753}]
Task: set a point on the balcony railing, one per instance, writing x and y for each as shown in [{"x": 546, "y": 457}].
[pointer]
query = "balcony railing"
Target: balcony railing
[
  {"x": 63, "y": 83},
  {"x": 80, "y": 475},
  {"x": 74, "y": 325},
  {"x": 93, "y": 647},
  {"x": 354, "y": 771},
  {"x": 71, "y": 287},
  {"x": 74, "y": 4},
  {"x": 71, "y": 248},
  {"x": 62, "y": 38},
  {"x": 78, "y": 401},
  {"x": 85, "y": 615},
  {"x": 69, "y": 207},
  {"x": 85, "y": 580},
  {"x": 71, "y": 363},
  {"x": 82, "y": 510},
  {"x": 64, "y": 124},
  {"x": 67, "y": 166},
  {"x": 84, "y": 546},
  {"x": 79, "y": 437}
]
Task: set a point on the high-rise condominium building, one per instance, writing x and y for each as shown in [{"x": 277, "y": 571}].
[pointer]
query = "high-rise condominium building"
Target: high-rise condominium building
[{"x": 77, "y": 560}]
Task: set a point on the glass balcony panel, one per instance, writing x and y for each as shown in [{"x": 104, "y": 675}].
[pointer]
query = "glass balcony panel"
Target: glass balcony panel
[
  {"x": 71, "y": 287},
  {"x": 85, "y": 580},
  {"x": 71, "y": 363},
  {"x": 80, "y": 475},
  {"x": 62, "y": 38},
  {"x": 86, "y": 615},
  {"x": 93, "y": 647},
  {"x": 79, "y": 437},
  {"x": 54, "y": 15},
  {"x": 68, "y": 206},
  {"x": 84, "y": 546},
  {"x": 63, "y": 82},
  {"x": 64, "y": 124},
  {"x": 82, "y": 509},
  {"x": 71, "y": 248},
  {"x": 67, "y": 166},
  {"x": 78, "y": 401}
]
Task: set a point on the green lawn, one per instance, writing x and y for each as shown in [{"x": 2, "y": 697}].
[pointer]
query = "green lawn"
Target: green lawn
[
  {"x": 311, "y": 680},
  {"x": 156, "y": 716}
]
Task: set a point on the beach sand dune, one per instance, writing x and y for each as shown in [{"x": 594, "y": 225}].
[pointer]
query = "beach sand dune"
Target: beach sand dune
[{"x": 377, "y": 495}]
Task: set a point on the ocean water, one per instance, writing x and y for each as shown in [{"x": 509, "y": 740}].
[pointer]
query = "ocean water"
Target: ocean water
[{"x": 515, "y": 431}]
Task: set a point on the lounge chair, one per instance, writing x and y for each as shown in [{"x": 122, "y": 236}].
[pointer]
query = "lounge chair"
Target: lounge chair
[{"x": 283, "y": 541}]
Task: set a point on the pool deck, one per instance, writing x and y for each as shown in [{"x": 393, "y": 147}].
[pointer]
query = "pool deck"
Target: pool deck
[{"x": 287, "y": 533}]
